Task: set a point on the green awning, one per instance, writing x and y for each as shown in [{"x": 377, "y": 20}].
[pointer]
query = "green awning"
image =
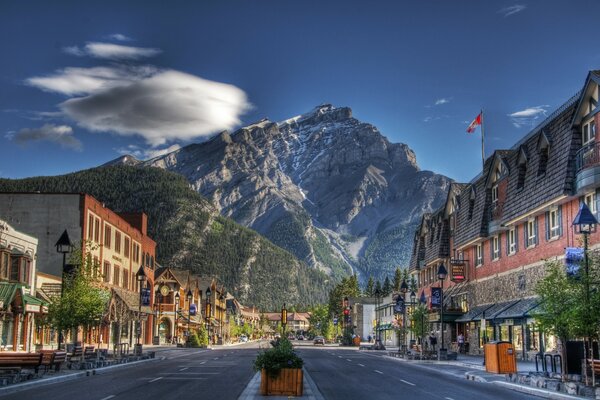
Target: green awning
[
  {"x": 32, "y": 304},
  {"x": 7, "y": 293}
]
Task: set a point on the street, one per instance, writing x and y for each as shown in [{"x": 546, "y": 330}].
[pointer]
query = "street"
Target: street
[{"x": 223, "y": 373}]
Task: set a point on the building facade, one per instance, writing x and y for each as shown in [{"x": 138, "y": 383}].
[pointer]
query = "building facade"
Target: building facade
[{"x": 498, "y": 230}]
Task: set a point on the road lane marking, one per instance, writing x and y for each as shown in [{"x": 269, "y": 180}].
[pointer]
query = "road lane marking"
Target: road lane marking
[
  {"x": 203, "y": 362},
  {"x": 108, "y": 397},
  {"x": 339, "y": 356},
  {"x": 183, "y": 369},
  {"x": 361, "y": 365},
  {"x": 379, "y": 372},
  {"x": 449, "y": 398},
  {"x": 216, "y": 358},
  {"x": 408, "y": 383},
  {"x": 156, "y": 379},
  {"x": 347, "y": 359}
]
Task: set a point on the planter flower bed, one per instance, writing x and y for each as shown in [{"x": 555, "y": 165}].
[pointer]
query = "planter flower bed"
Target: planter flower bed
[{"x": 281, "y": 370}]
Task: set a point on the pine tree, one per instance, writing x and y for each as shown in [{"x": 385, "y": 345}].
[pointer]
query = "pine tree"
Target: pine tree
[
  {"x": 397, "y": 279},
  {"x": 387, "y": 286},
  {"x": 378, "y": 288},
  {"x": 370, "y": 290}
]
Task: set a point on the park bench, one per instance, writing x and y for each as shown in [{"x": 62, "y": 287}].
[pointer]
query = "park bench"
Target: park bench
[
  {"x": 17, "y": 361},
  {"x": 90, "y": 353},
  {"x": 76, "y": 354},
  {"x": 595, "y": 364},
  {"x": 53, "y": 358}
]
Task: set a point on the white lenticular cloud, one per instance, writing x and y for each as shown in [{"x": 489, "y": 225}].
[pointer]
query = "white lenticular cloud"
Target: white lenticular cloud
[
  {"x": 439, "y": 102},
  {"x": 61, "y": 134},
  {"x": 508, "y": 11},
  {"x": 167, "y": 106},
  {"x": 120, "y": 37},
  {"x": 111, "y": 51},
  {"x": 528, "y": 116}
]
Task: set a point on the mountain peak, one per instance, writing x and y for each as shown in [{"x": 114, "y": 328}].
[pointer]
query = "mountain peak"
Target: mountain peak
[
  {"x": 320, "y": 113},
  {"x": 127, "y": 159}
]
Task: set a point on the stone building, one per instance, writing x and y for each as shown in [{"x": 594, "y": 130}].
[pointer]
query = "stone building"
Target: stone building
[{"x": 501, "y": 227}]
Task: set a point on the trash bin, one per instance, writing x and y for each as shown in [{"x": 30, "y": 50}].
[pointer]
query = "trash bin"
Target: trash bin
[{"x": 500, "y": 358}]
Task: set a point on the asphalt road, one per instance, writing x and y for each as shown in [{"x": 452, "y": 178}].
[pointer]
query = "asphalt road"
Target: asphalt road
[
  {"x": 349, "y": 374},
  {"x": 182, "y": 374}
]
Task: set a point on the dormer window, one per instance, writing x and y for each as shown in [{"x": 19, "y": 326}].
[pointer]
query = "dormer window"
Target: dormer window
[
  {"x": 544, "y": 153},
  {"x": 522, "y": 170},
  {"x": 471, "y": 203},
  {"x": 588, "y": 132},
  {"x": 495, "y": 195}
]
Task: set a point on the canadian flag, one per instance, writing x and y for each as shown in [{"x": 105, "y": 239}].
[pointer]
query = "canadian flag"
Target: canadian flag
[{"x": 476, "y": 122}]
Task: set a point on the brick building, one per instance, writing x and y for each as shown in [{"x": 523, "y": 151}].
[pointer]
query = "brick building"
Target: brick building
[
  {"x": 499, "y": 228},
  {"x": 117, "y": 243}
]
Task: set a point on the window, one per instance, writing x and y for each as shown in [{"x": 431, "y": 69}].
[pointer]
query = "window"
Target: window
[
  {"x": 588, "y": 134},
  {"x": 590, "y": 201},
  {"x": 97, "y": 230},
  {"x": 116, "y": 275},
  {"x": 494, "y": 196},
  {"x": 553, "y": 223},
  {"x": 4, "y": 263},
  {"x": 14, "y": 268},
  {"x": 531, "y": 232},
  {"x": 543, "y": 164},
  {"x": 107, "y": 236},
  {"x": 125, "y": 279},
  {"x": 90, "y": 227},
  {"x": 96, "y": 266},
  {"x": 495, "y": 247},
  {"x": 478, "y": 255},
  {"x": 106, "y": 272},
  {"x": 126, "y": 248},
  {"x": 118, "y": 242},
  {"x": 511, "y": 238}
]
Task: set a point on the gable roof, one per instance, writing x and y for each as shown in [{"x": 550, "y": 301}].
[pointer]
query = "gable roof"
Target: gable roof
[{"x": 592, "y": 77}]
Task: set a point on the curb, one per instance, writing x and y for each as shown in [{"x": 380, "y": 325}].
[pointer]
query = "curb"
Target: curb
[
  {"x": 536, "y": 392},
  {"x": 18, "y": 387}
]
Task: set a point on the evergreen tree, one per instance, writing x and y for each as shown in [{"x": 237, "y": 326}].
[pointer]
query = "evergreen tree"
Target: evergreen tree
[
  {"x": 397, "y": 279},
  {"x": 378, "y": 288},
  {"x": 370, "y": 290},
  {"x": 387, "y": 286}
]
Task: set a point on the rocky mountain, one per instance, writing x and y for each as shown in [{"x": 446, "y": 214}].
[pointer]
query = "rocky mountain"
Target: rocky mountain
[
  {"x": 191, "y": 234},
  {"x": 325, "y": 186}
]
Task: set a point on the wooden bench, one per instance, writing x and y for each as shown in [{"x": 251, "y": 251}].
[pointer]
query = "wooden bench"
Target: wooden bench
[
  {"x": 18, "y": 361},
  {"x": 595, "y": 364},
  {"x": 90, "y": 353},
  {"x": 77, "y": 353},
  {"x": 53, "y": 358}
]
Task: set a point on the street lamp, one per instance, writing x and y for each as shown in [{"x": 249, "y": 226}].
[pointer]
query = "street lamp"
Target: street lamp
[
  {"x": 189, "y": 296},
  {"x": 413, "y": 296},
  {"x": 208, "y": 311},
  {"x": 221, "y": 299},
  {"x": 378, "y": 345},
  {"x": 403, "y": 290},
  {"x": 140, "y": 276},
  {"x": 177, "y": 297},
  {"x": 157, "y": 314},
  {"x": 283, "y": 320},
  {"x": 423, "y": 303},
  {"x": 584, "y": 224},
  {"x": 442, "y": 272},
  {"x": 63, "y": 246}
]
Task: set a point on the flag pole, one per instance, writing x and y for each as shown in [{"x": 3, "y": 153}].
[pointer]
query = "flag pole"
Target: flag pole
[{"x": 482, "y": 139}]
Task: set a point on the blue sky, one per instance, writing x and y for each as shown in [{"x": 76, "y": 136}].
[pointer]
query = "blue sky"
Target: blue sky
[{"x": 84, "y": 82}]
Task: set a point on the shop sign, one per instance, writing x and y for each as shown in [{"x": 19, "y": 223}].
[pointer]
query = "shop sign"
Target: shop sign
[
  {"x": 508, "y": 322},
  {"x": 33, "y": 308},
  {"x": 457, "y": 270},
  {"x": 436, "y": 297}
]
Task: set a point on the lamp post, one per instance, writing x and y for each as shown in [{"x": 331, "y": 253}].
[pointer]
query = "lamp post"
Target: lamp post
[
  {"x": 378, "y": 345},
  {"x": 442, "y": 272},
  {"x": 283, "y": 320},
  {"x": 423, "y": 302},
  {"x": 221, "y": 299},
  {"x": 140, "y": 276},
  {"x": 208, "y": 312},
  {"x": 63, "y": 246},
  {"x": 189, "y": 296},
  {"x": 584, "y": 224},
  {"x": 403, "y": 290},
  {"x": 413, "y": 296},
  {"x": 176, "y": 322}
]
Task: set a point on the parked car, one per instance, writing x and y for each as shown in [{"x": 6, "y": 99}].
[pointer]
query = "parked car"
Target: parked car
[
  {"x": 300, "y": 337},
  {"x": 243, "y": 338},
  {"x": 319, "y": 340}
]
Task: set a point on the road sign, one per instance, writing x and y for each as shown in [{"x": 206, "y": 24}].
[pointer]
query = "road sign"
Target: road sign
[{"x": 335, "y": 321}]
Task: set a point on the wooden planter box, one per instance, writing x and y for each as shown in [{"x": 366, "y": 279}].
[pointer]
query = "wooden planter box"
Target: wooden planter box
[{"x": 287, "y": 383}]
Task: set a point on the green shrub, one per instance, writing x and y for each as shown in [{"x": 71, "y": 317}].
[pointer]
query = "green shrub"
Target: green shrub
[
  {"x": 281, "y": 356},
  {"x": 193, "y": 340}
]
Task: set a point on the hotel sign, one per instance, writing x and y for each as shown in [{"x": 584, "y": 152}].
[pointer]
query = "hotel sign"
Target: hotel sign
[{"x": 458, "y": 270}]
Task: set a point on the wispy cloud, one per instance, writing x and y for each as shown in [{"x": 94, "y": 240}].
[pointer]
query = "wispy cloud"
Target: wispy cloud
[
  {"x": 120, "y": 37},
  {"x": 508, "y": 11},
  {"x": 441, "y": 101},
  {"x": 529, "y": 116},
  {"x": 147, "y": 154},
  {"x": 111, "y": 51},
  {"x": 61, "y": 134}
]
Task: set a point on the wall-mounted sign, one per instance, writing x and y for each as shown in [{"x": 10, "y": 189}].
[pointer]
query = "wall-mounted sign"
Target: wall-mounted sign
[
  {"x": 145, "y": 296},
  {"x": 436, "y": 297},
  {"x": 193, "y": 309},
  {"x": 457, "y": 272},
  {"x": 34, "y": 308}
]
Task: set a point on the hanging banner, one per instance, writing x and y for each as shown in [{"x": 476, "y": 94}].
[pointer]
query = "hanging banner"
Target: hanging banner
[
  {"x": 573, "y": 259},
  {"x": 399, "y": 306},
  {"x": 436, "y": 297},
  {"x": 193, "y": 309},
  {"x": 145, "y": 296}
]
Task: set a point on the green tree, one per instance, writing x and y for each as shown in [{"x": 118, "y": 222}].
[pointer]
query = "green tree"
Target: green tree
[
  {"x": 370, "y": 290},
  {"x": 320, "y": 319},
  {"x": 348, "y": 287},
  {"x": 83, "y": 302},
  {"x": 387, "y": 286},
  {"x": 202, "y": 337},
  {"x": 419, "y": 321},
  {"x": 397, "y": 279}
]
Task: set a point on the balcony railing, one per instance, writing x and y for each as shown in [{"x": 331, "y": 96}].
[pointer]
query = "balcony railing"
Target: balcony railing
[
  {"x": 496, "y": 210},
  {"x": 587, "y": 156}
]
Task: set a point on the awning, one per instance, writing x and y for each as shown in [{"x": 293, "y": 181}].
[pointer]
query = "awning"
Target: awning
[
  {"x": 7, "y": 293},
  {"x": 473, "y": 313},
  {"x": 32, "y": 304},
  {"x": 496, "y": 309},
  {"x": 520, "y": 309},
  {"x": 131, "y": 300}
]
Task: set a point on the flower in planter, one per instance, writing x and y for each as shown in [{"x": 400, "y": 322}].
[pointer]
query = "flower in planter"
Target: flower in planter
[{"x": 277, "y": 358}]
